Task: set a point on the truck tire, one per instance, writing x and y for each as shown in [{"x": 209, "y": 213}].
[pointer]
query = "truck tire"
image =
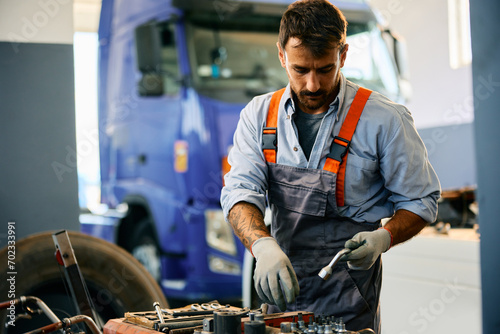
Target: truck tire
[
  {"x": 117, "y": 282},
  {"x": 144, "y": 248}
]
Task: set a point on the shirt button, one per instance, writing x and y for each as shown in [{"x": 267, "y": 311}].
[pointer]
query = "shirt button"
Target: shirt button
[{"x": 295, "y": 149}]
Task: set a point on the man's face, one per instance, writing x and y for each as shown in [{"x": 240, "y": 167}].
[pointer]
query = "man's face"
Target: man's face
[{"x": 314, "y": 81}]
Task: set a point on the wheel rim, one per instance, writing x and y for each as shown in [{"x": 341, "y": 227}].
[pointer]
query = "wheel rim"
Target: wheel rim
[{"x": 147, "y": 254}]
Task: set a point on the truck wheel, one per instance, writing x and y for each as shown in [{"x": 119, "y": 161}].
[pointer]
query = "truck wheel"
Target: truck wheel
[
  {"x": 145, "y": 249},
  {"x": 117, "y": 282}
]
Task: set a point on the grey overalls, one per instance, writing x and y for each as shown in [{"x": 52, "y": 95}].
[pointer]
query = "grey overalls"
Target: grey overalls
[{"x": 309, "y": 229}]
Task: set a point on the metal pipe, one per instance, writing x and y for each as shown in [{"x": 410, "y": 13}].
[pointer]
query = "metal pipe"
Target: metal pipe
[
  {"x": 6, "y": 304},
  {"x": 87, "y": 320},
  {"x": 68, "y": 322},
  {"x": 23, "y": 300},
  {"x": 179, "y": 324},
  {"x": 46, "y": 310},
  {"x": 47, "y": 329}
]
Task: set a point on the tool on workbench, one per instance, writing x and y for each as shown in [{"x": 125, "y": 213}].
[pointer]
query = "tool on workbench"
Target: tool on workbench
[
  {"x": 206, "y": 306},
  {"x": 286, "y": 327},
  {"x": 301, "y": 323},
  {"x": 254, "y": 326},
  {"x": 157, "y": 307},
  {"x": 229, "y": 320},
  {"x": 328, "y": 329}
]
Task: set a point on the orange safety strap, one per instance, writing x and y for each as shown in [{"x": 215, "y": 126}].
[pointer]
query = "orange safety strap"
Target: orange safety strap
[
  {"x": 340, "y": 145},
  {"x": 269, "y": 134}
]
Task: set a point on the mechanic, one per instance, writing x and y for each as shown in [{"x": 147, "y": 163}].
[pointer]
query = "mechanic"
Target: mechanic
[{"x": 328, "y": 187}]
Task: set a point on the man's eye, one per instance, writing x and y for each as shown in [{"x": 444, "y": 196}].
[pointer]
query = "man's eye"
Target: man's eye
[
  {"x": 325, "y": 70},
  {"x": 300, "y": 70}
]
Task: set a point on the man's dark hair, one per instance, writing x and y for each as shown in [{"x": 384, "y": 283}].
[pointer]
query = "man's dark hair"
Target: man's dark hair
[{"x": 318, "y": 25}]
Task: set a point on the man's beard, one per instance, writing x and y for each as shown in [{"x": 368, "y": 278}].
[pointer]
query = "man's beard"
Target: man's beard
[
  {"x": 312, "y": 105},
  {"x": 316, "y": 104}
]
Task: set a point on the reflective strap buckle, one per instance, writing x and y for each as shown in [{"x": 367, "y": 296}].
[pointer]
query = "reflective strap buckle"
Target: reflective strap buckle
[
  {"x": 269, "y": 139},
  {"x": 338, "y": 150}
]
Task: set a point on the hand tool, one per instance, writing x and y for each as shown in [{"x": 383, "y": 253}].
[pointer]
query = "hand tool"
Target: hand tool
[
  {"x": 159, "y": 312},
  {"x": 326, "y": 272}
]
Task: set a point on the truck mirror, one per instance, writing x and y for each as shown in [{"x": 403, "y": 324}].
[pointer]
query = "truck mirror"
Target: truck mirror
[
  {"x": 400, "y": 54},
  {"x": 401, "y": 57},
  {"x": 148, "y": 59}
]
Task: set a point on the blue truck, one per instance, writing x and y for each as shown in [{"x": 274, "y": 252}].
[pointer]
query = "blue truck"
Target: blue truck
[{"x": 173, "y": 78}]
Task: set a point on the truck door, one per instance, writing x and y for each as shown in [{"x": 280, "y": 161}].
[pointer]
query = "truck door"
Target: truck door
[{"x": 159, "y": 102}]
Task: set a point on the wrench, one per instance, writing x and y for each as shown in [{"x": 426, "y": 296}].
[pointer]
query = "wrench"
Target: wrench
[{"x": 326, "y": 272}]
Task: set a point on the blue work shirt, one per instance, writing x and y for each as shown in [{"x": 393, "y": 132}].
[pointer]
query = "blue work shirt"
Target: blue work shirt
[{"x": 387, "y": 165}]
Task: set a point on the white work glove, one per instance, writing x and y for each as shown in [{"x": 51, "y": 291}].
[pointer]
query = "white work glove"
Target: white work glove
[
  {"x": 366, "y": 248},
  {"x": 273, "y": 272}
]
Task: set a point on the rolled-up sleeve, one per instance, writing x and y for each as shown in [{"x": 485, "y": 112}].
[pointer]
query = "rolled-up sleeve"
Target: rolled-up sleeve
[
  {"x": 247, "y": 179},
  {"x": 406, "y": 169}
]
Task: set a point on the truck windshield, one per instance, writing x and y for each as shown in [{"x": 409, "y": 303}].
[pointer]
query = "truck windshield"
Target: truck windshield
[{"x": 234, "y": 61}]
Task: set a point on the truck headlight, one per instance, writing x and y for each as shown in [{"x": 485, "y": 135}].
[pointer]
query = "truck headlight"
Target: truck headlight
[
  {"x": 223, "y": 266},
  {"x": 219, "y": 234}
]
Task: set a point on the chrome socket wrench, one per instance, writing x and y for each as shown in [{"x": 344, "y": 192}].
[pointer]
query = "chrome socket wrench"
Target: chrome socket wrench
[{"x": 326, "y": 272}]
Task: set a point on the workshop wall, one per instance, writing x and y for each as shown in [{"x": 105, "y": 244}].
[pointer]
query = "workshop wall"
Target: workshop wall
[
  {"x": 442, "y": 103},
  {"x": 442, "y": 95},
  {"x": 38, "y": 178},
  {"x": 451, "y": 152}
]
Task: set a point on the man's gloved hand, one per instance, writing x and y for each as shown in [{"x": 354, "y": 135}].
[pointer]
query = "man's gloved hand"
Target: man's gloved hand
[
  {"x": 272, "y": 272},
  {"x": 366, "y": 248}
]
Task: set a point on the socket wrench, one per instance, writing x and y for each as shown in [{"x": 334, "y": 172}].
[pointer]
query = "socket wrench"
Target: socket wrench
[{"x": 326, "y": 272}]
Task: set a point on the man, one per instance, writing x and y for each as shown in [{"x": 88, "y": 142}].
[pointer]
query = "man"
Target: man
[{"x": 334, "y": 160}]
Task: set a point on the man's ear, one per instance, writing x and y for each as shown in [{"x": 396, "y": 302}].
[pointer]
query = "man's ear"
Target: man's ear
[
  {"x": 281, "y": 55},
  {"x": 343, "y": 55}
]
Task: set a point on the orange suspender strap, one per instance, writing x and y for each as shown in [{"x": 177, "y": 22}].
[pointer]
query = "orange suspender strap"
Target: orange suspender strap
[
  {"x": 269, "y": 134},
  {"x": 340, "y": 146}
]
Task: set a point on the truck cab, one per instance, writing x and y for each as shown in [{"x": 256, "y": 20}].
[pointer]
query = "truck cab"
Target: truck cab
[{"x": 173, "y": 78}]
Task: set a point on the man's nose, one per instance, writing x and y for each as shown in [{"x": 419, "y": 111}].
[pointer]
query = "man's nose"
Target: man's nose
[{"x": 312, "y": 82}]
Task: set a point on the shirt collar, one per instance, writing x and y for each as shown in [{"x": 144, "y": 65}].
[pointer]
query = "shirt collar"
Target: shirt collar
[{"x": 289, "y": 105}]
